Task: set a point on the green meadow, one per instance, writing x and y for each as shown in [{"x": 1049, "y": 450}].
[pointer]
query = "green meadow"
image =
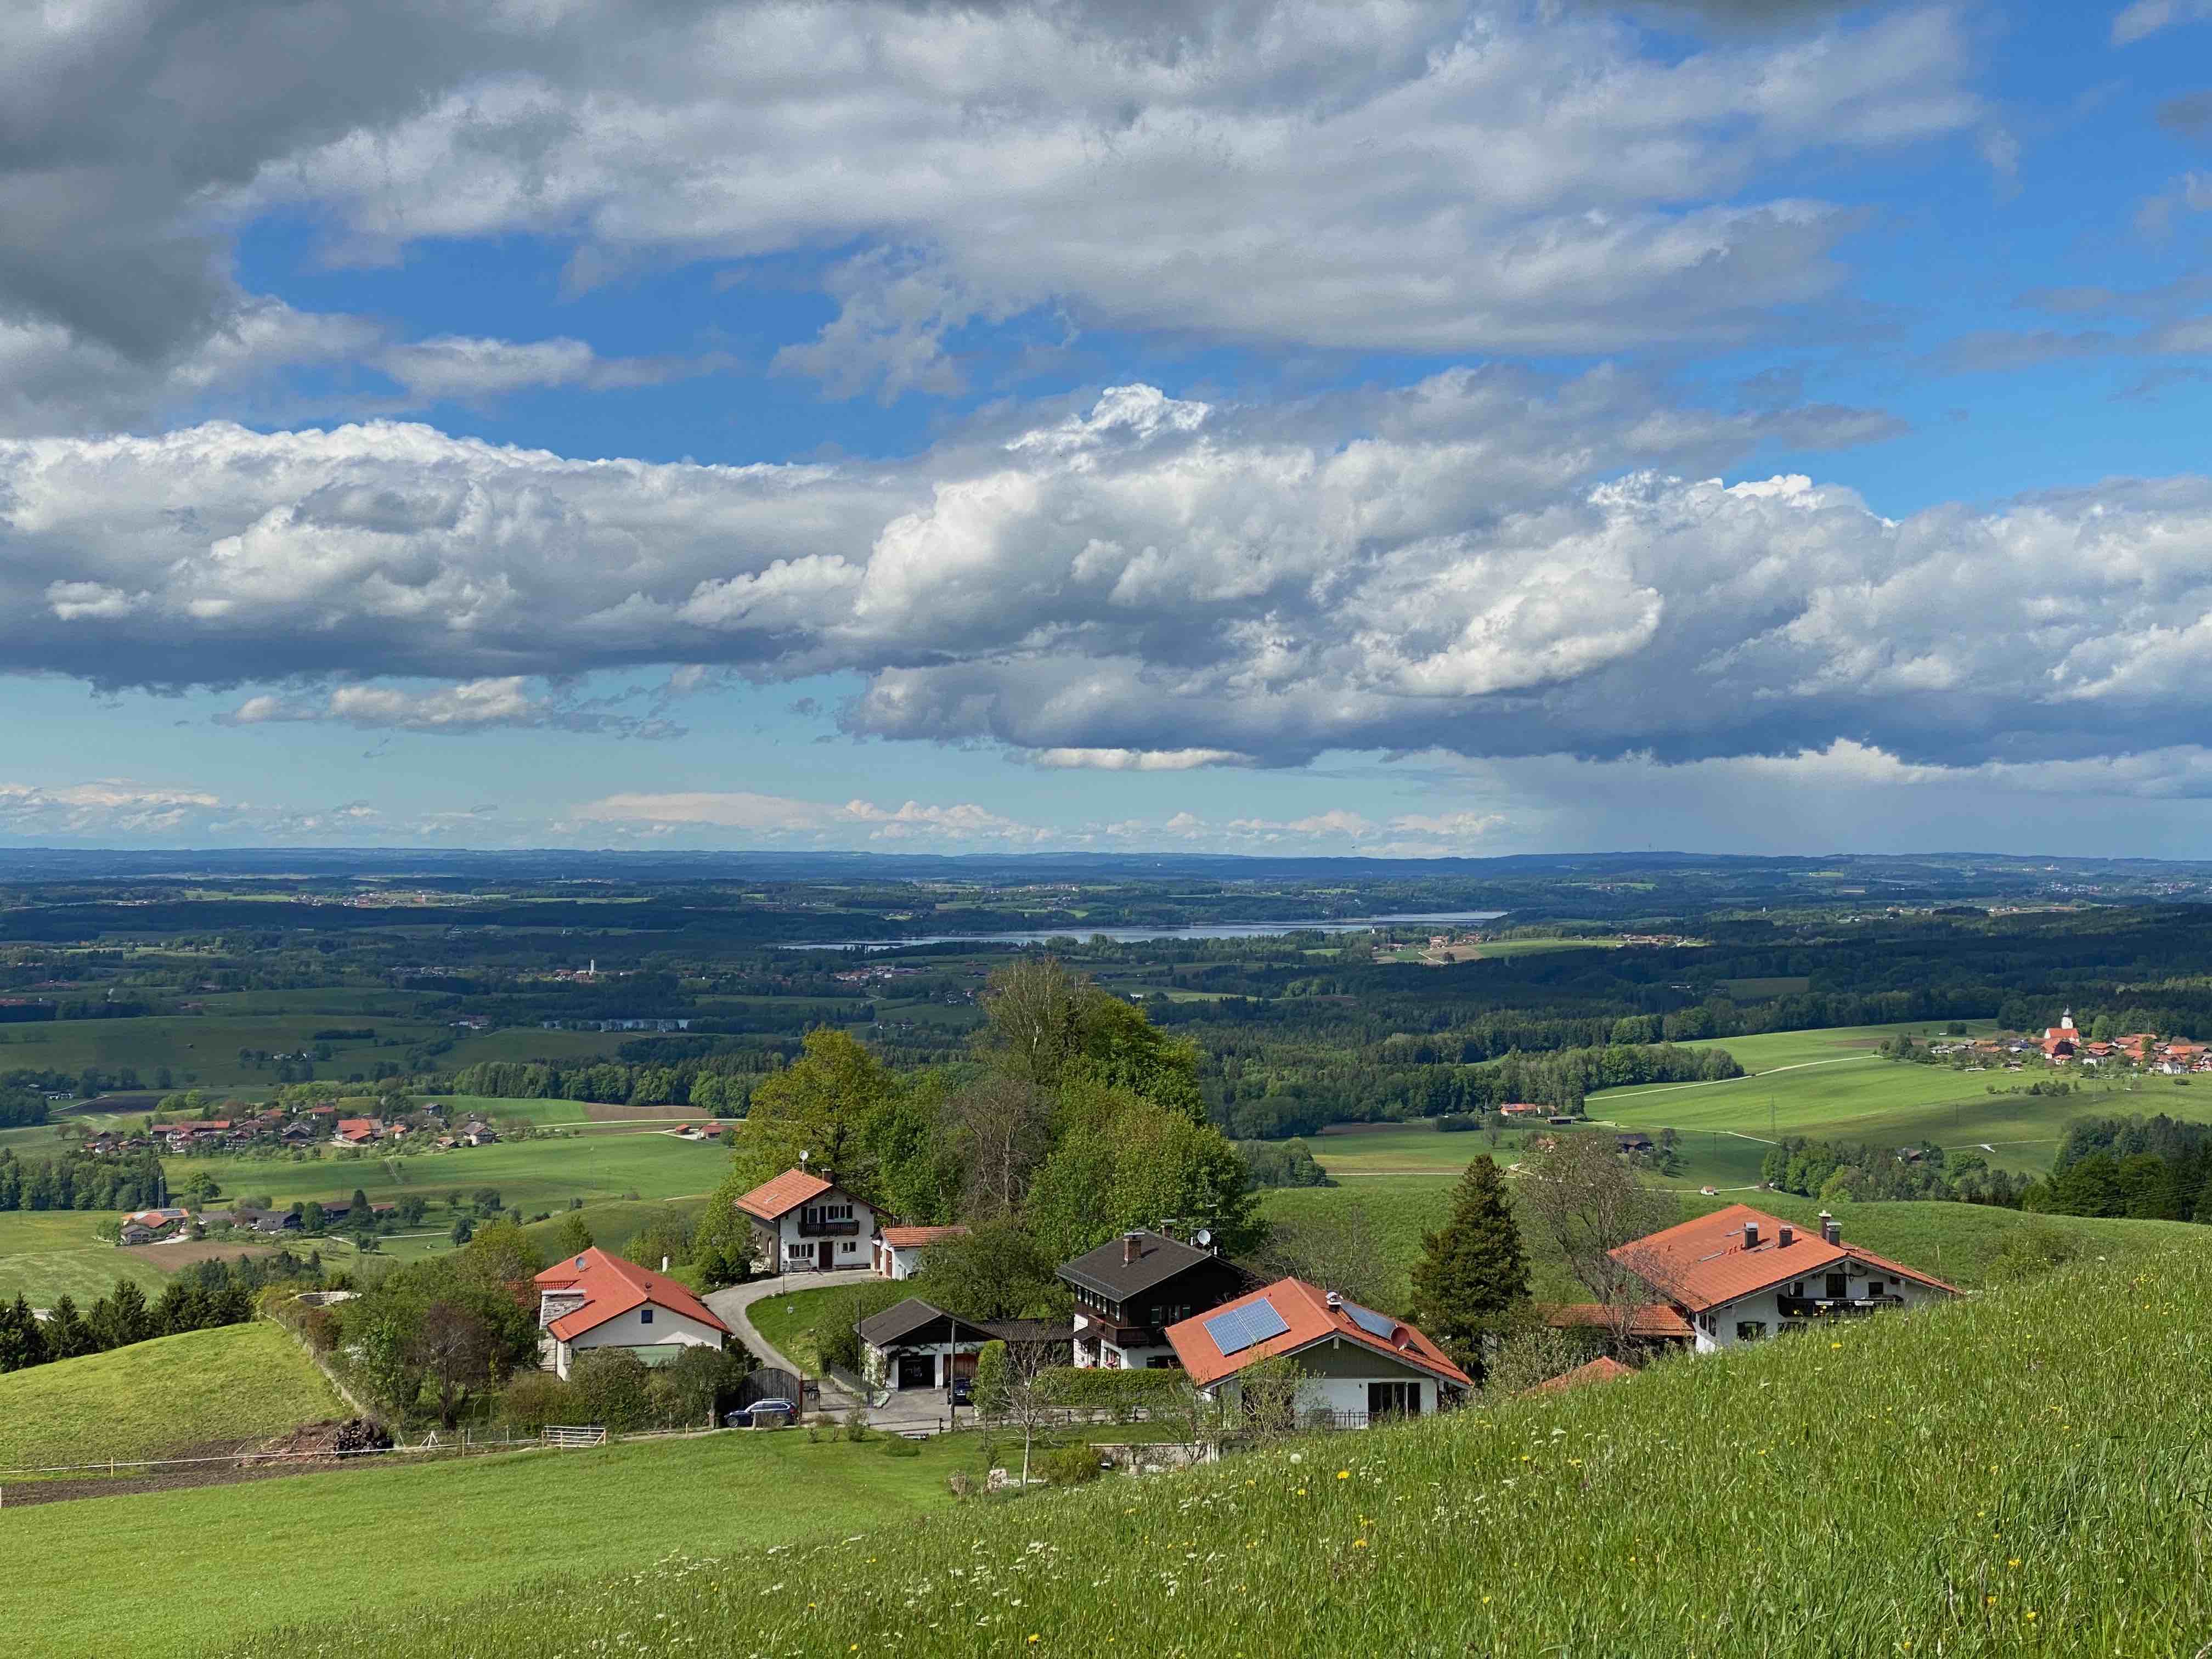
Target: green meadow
[
  {"x": 410, "y": 1540},
  {"x": 1956, "y": 1242},
  {"x": 530, "y": 1175},
  {"x": 1834, "y": 1085},
  {"x": 2013, "y": 1474},
  {"x": 174, "y": 1395},
  {"x": 45, "y": 1255}
]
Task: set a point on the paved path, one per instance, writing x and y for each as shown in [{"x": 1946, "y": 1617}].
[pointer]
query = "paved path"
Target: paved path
[
  {"x": 837, "y": 1394},
  {"x": 733, "y": 1305}
]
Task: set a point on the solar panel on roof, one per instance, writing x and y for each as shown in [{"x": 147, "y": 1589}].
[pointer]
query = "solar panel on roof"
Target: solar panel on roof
[
  {"x": 1263, "y": 1320},
  {"x": 1373, "y": 1323},
  {"x": 1228, "y": 1332}
]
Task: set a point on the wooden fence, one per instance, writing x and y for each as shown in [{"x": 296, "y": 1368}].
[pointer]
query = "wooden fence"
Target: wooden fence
[{"x": 577, "y": 1434}]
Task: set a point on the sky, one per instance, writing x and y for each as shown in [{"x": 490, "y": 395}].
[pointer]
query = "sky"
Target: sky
[{"x": 1355, "y": 426}]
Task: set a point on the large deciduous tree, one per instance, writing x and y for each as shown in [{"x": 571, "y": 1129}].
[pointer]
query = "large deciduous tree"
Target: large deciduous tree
[
  {"x": 1576, "y": 1193},
  {"x": 1123, "y": 1161}
]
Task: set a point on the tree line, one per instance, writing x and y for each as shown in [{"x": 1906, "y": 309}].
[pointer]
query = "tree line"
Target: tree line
[
  {"x": 71, "y": 1180},
  {"x": 1831, "y": 1170},
  {"x": 720, "y": 1083},
  {"x": 202, "y": 1296},
  {"x": 2154, "y": 1169}
]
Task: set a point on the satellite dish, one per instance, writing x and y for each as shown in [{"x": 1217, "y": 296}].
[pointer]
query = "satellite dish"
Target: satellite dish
[{"x": 1205, "y": 1235}]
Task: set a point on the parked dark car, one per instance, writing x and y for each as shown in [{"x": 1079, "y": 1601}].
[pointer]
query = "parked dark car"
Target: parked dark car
[
  {"x": 962, "y": 1387},
  {"x": 745, "y": 1415}
]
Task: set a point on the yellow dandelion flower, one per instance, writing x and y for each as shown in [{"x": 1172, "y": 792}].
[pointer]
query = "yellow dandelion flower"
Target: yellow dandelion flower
[
  {"x": 1344, "y": 1474},
  {"x": 1360, "y": 1543}
]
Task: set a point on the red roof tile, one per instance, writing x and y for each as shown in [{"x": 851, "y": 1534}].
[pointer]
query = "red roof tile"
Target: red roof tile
[
  {"x": 1603, "y": 1368},
  {"x": 1651, "y": 1320},
  {"x": 783, "y": 1194},
  {"x": 908, "y": 1237},
  {"x": 1703, "y": 1263},
  {"x": 1304, "y": 1307},
  {"x": 613, "y": 1286}
]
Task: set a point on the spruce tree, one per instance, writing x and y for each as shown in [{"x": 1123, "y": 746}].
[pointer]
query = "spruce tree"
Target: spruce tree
[
  {"x": 1474, "y": 1272},
  {"x": 67, "y": 1335},
  {"x": 21, "y": 1343}
]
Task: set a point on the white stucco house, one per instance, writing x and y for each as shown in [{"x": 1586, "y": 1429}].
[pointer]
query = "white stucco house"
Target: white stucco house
[
  {"x": 1740, "y": 1275},
  {"x": 803, "y": 1222},
  {"x": 596, "y": 1300},
  {"x": 1359, "y": 1365},
  {"x": 898, "y": 1250}
]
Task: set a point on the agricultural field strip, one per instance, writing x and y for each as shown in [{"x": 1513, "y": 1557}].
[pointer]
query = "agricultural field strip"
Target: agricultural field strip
[{"x": 1715, "y": 1083}]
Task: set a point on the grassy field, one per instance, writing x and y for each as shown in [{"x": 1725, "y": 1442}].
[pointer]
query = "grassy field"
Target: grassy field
[
  {"x": 167, "y": 1396},
  {"x": 1362, "y": 1154},
  {"x": 1833, "y": 1084},
  {"x": 788, "y": 1322},
  {"x": 45, "y": 1255},
  {"x": 48, "y": 1253},
  {"x": 205, "y": 1045},
  {"x": 110, "y": 1576},
  {"x": 1955, "y": 1242},
  {"x": 2038, "y": 1456},
  {"x": 530, "y": 1175},
  {"x": 566, "y": 1114},
  {"x": 614, "y": 1223}
]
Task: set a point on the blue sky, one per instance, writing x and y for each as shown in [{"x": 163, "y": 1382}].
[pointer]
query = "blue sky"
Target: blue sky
[{"x": 1375, "y": 426}]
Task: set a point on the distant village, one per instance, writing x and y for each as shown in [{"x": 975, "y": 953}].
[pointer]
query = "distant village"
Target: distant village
[{"x": 2065, "y": 1044}]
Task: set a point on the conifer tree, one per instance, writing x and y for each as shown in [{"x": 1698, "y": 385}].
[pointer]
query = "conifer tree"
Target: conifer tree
[
  {"x": 1474, "y": 1271},
  {"x": 21, "y": 1343},
  {"x": 67, "y": 1335}
]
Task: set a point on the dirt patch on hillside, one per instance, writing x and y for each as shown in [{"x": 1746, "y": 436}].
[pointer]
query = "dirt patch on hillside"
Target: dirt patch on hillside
[
  {"x": 1361, "y": 1129},
  {"x": 313, "y": 1447},
  {"x": 598, "y": 1112},
  {"x": 175, "y": 1258}
]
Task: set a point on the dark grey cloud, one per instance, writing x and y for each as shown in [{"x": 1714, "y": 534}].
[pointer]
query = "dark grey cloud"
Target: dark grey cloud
[
  {"x": 2189, "y": 116},
  {"x": 1409, "y": 175}
]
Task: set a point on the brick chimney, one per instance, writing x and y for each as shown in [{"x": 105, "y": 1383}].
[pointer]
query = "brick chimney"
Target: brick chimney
[
  {"x": 1785, "y": 1235},
  {"x": 1832, "y": 1231},
  {"x": 1130, "y": 1240},
  {"x": 1751, "y": 1235}
]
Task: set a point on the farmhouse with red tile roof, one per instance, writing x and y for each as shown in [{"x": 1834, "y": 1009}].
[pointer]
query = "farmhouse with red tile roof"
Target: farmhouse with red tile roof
[
  {"x": 805, "y": 1223},
  {"x": 1739, "y": 1275},
  {"x": 1359, "y": 1365},
  {"x": 597, "y": 1300}
]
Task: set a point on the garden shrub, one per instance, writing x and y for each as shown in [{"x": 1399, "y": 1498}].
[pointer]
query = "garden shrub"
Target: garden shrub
[
  {"x": 535, "y": 1399},
  {"x": 1071, "y": 1466}
]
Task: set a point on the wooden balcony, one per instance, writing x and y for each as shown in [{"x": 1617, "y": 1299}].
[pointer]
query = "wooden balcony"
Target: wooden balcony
[
  {"x": 1836, "y": 1307},
  {"x": 827, "y": 1228}
]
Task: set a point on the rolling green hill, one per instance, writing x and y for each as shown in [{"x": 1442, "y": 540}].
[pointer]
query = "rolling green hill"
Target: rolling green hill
[
  {"x": 1955, "y": 1242},
  {"x": 2015, "y": 1475},
  {"x": 235, "y": 1383},
  {"x": 113, "y": 1577}
]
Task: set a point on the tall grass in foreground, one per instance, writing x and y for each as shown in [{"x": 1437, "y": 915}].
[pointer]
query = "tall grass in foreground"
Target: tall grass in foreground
[{"x": 2025, "y": 1472}]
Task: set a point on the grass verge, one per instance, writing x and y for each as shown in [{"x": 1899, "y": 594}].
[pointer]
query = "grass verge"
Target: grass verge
[{"x": 2012, "y": 1475}]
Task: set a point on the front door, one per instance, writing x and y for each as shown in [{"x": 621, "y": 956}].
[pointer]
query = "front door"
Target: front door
[{"x": 822, "y": 1253}]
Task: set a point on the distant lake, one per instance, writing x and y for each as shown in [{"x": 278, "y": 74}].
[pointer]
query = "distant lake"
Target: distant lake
[{"x": 1134, "y": 935}]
